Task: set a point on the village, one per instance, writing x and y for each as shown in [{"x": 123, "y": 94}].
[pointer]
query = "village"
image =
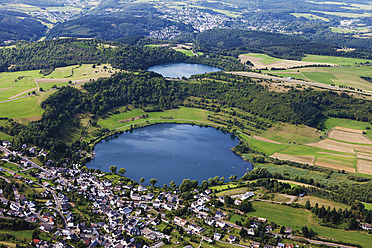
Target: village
[{"x": 123, "y": 213}]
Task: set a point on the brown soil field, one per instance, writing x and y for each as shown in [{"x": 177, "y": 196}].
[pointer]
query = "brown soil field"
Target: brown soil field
[
  {"x": 299, "y": 159},
  {"x": 368, "y": 157},
  {"x": 345, "y": 129},
  {"x": 349, "y": 136},
  {"x": 364, "y": 166},
  {"x": 265, "y": 139},
  {"x": 338, "y": 146},
  {"x": 334, "y": 154},
  {"x": 335, "y": 166},
  {"x": 279, "y": 64},
  {"x": 333, "y": 146}
]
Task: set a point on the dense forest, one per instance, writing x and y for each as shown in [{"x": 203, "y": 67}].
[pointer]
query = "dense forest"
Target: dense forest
[
  {"x": 274, "y": 44},
  {"x": 19, "y": 26},
  {"x": 299, "y": 107},
  {"x": 64, "y": 52}
]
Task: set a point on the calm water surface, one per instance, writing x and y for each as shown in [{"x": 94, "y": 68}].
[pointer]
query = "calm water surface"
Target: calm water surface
[
  {"x": 169, "y": 152},
  {"x": 178, "y": 70}
]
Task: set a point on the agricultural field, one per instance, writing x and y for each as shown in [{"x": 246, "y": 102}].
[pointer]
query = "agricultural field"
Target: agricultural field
[
  {"x": 15, "y": 87},
  {"x": 18, "y": 84},
  {"x": 346, "y": 147},
  {"x": 264, "y": 61},
  {"x": 285, "y": 132},
  {"x": 24, "y": 109},
  {"x": 297, "y": 218},
  {"x": 188, "y": 114},
  {"x": 341, "y": 30},
  {"x": 345, "y": 14},
  {"x": 339, "y": 76},
  {"x": 332, "y": 60}
]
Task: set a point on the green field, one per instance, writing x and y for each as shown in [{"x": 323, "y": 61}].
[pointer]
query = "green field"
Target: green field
[
  {"x": 223, "y": 186},
  {"x": 332, "y": 122},
  {"x": 25, "y": 108},
  {"x": 345, "y": 14},
  {"x": 332, "y": 60},
  {"x": 182, "y": 113},
  {"x": 284, "y": 133},
  {"x": 18, "y": 84},
  {"x": 334, "y": 159},
  {"x": 265, "y": 59},
  {"x": 14, "y": 83},
  {"x": 341, "y": 30},
  {"x": 310, "y": 16},
  {"x": 295, "y": 75},
  {"x": 367, "y": 206},
  {"x": 185, "y": 51},
  {"x": 297, "y": 218},
  {"x": 346, "y": 76}
]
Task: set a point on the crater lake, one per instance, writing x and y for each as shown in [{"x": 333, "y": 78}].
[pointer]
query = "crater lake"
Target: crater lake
[
  {"x": 179, "y": 70},
  {"x": 169, "y": 152}
]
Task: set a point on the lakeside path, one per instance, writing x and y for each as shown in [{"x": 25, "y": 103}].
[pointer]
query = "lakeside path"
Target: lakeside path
[{"x": 288, "y": 80}]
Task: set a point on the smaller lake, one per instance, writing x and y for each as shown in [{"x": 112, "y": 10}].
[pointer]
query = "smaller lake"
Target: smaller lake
[
  {"x": 169, "y": 152},
  {"x": 179, "y": 70}
]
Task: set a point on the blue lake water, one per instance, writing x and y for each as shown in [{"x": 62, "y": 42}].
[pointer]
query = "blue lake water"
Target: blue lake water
[
  {"x": 169, "y": 152},
  {"x": 178, "y": 70}
]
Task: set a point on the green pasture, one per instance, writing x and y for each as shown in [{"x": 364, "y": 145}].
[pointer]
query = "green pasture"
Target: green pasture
[
  {"x": 332, "y": 60},
  {"x": 224, "y": 186},
  {"x": 265, "y": 59},
  {"x": 321, "y": 77},
  {"x": 367, "y": 206},
  {"x": 17, "y": 84},
  {"x": 346, "y": 76},
  {"x": 295, "y": 75},
  {"x": 182, "y": 113},
  {"x": 4, "y": 136},
  {"x": 335, "y": 159},
  {"x": 25, "y": 108},
  {"x": 185, "y": 51},
  {"x": 14, "y": 83},
  {"x": 345, "y": 14},
  {"x": 283, "y": 133},
  {"x": 341, "y": 30},
  {"x": 332, "y": 122},
  {"x": 297, "y": 218}
]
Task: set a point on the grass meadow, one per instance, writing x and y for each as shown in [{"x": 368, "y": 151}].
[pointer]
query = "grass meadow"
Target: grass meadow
[{"x": 297, "y": 218}]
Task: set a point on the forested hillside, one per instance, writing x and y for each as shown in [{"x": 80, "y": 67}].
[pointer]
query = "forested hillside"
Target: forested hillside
[
  {"x": 63, "y": 52},
  {"x": 274, "y": 44},
  {"x": 19, "y": 26}
]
